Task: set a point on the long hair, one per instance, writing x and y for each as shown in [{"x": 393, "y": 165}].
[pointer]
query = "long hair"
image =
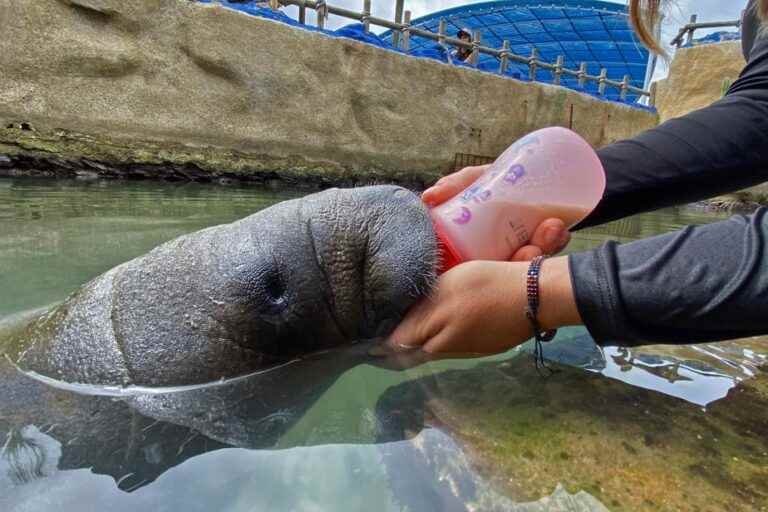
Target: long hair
[{"x": 645, "y": 15}]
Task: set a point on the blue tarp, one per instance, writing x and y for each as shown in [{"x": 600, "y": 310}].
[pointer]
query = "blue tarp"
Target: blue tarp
[
  {"x": 357, "y": 32},
  {"x": 716, "y": 37},
  {"x": 588, "y": 31}
]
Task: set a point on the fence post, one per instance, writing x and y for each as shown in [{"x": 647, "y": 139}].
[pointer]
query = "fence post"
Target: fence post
[
  {"x": 303, "y": 12},
  {"x": 532, "y": 66},
  {"x": 407, "y": 31},
  {"x": 504, "y": 65},
  {"x": 559, "y": 69},
  {"x": 399, "y": 4},
  {"x": 624, "y": 87},
  {"x": 601, "y": 82},
  {"x": 694, "y": 19},
  {"x": 321, "y": 13},
  {"x": 441, "y": 32},
  {"x": 474, "y": 58},
  {"x": 583, "y": 74},
  {"x": 366, "y": 16}
]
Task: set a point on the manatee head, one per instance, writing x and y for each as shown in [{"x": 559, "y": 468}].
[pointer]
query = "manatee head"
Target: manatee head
[{"x": 299, "y": 277}]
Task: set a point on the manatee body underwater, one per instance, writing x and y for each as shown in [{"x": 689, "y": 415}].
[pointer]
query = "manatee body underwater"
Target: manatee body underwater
[
  {"x": 302, "y": 276},
  {"x": 138, "y": 436}
]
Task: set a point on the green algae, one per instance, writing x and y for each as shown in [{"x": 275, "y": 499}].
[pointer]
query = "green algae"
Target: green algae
[
  {"x": 631, "y": 448},
  {"x": 67, "y": 152}
]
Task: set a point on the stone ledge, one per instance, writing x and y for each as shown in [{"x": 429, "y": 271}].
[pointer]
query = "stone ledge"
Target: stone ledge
[{"x": 28, "y": 152}]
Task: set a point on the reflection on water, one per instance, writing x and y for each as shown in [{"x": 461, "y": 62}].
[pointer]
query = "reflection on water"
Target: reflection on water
[
  {"x": 677, "y": 428},
  {"x": 256, "y": 479},
  {"x": 27, "y": 455},
  {"x": 699, "y": 374}
]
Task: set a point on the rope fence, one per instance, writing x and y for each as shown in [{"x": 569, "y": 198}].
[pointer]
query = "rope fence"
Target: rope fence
[{"x": 687, "y": 31}]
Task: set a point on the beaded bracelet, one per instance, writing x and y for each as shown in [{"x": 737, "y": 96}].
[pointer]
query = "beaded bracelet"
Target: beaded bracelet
[{"x": 532, "y": 311}]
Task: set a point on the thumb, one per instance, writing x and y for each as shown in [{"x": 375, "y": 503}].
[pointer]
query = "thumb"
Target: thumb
[{"x": 448, "y": 186}]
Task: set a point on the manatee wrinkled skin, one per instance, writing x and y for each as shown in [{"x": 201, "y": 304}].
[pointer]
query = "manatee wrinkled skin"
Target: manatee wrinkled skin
[{"x": 298, "y": 277}]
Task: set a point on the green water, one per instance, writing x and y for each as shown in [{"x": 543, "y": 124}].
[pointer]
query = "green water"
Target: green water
[
  {"x": 56, "y": 235},
  {"x": 436, "y": 437}
]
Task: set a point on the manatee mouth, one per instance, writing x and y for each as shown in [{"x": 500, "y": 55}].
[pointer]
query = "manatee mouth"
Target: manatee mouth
[
  {"x": 329, "y": 297},
  {"x": 366, "y": 324}
]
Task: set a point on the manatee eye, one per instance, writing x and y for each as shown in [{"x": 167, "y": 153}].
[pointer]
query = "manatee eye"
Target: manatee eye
[{"x": 274, "y": 288}]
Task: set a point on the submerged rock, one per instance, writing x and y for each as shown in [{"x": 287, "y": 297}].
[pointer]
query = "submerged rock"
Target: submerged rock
[{"x": 630, "y": 448}]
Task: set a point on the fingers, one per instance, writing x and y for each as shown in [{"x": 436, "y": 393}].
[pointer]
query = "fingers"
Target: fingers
[
  {"x": 384, "y": 356},
  {"x": 415, "y": 329},
  {"x": 448, "y": 186},
  {"x": 527, "y": 253},
  {"x": 551, "y": 236},
  {"x": 441, "y": 346}
]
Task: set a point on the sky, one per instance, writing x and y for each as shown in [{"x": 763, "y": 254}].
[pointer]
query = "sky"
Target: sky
[{"x": 678, "y": 14}]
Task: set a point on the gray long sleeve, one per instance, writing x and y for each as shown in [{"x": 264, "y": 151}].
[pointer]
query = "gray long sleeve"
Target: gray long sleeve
[{"x": 703, "y": 283}]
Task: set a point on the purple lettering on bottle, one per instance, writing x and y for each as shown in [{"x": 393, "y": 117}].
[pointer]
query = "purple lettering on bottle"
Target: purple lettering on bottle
[
  {"x": 470, "y": 193},
  {"x": 514, "y": 174},
  {"x": 483, "y": 196},
  {"x": 464, "y": 217}
]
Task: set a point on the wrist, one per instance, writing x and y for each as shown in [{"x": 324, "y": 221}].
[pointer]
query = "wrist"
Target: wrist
[{"x": 557, "y": 302}]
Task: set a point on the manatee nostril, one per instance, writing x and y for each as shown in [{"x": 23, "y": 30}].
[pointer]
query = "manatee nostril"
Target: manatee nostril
[{"x": 401, "y": 193}]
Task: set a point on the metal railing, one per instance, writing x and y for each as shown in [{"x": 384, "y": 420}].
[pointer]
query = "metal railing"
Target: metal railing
[
  {"x": 687, "y": 31},
  {"x": 402, "y": 30}
]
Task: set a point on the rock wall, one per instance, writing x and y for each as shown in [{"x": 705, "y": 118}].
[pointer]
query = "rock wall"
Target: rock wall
[
  {"x": 173, "y": 88},
  {"x": 698, "y": 76}
]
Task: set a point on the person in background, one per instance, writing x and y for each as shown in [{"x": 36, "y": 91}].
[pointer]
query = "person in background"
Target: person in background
[
  {"x": 700, "y": 284},
  {"x": 462, "y": 54}
]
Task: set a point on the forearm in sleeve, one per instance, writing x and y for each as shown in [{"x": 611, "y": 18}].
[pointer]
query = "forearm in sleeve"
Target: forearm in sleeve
[
  {"x": 721, "y": 148},
  {"x": 704, "y": 283}
]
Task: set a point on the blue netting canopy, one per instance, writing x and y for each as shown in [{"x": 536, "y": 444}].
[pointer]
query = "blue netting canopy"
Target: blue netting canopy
[
  {"x": 590, "y": 31},
  {"x": 716, "y": 37}
]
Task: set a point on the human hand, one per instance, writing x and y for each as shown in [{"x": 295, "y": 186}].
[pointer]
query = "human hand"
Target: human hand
[
  {"x": 550, "y": 237},
  {"x": 478, "y": 308}
]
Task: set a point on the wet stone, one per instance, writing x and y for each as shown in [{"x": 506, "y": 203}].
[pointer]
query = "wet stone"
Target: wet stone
[{"x": 648, "y": 451}]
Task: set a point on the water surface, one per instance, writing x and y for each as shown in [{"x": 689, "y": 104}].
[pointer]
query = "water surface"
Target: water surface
[{"x": 658, "y": 428}]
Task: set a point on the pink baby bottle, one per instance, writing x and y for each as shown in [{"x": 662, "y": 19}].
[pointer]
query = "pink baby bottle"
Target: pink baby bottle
[{"x": 550, "y": 173}]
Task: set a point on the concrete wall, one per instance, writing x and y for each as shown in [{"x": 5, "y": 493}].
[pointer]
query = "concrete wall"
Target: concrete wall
[{"x": 208, "y": 91}]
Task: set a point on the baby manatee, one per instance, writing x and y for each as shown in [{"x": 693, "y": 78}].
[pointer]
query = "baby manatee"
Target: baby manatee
[{"x": 299, "y": 277}]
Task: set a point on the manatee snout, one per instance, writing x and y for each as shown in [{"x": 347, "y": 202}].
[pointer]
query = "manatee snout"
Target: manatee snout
[{"x": 301, "y": 276}]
